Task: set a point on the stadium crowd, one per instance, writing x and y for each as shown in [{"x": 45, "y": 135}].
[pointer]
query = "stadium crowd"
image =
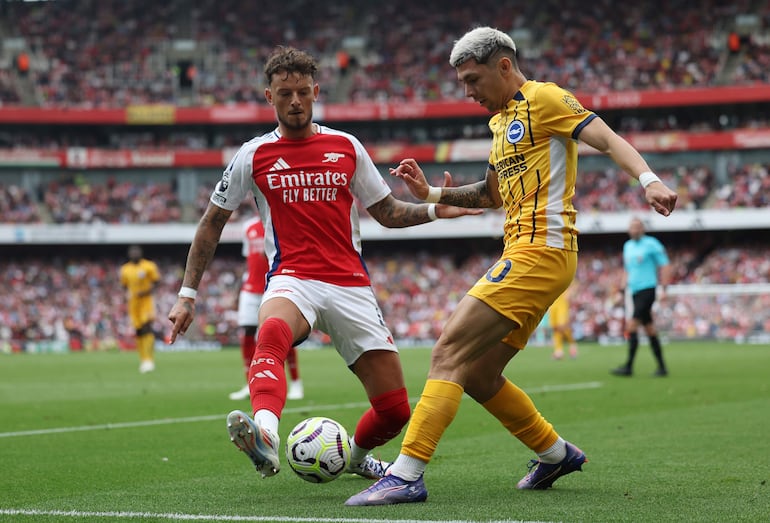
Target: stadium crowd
[
  {"x": 79, "y": 300},
  {"x": 165, "y": 138},
  {"x": 114, "y": 53},
  {"x": 17, "y": 205},
  {"x": 73, "y": 198},
  {"x": 76, "y": 200}
]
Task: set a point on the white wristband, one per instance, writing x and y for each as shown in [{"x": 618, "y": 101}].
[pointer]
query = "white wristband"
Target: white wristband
[
  {"x": 434, "y": 195},
  {"x": 647, "y": 177},
  {"x": 187, "y": 292},
  {"x": 432, "y": 212}
]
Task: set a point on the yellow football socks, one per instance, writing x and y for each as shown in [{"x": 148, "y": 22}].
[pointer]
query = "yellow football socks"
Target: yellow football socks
[
  {"x": 518, "y": 414},
  {"x": 145, "y": 346},
  {"x": 434, "y": 412},
  {"x": 558, "y": 342}
]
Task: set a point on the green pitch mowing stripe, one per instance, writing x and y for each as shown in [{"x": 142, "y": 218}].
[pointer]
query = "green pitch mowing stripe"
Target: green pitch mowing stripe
[
  {"x": 214, "y": 417},
  {"x": 205, "y": 517}
]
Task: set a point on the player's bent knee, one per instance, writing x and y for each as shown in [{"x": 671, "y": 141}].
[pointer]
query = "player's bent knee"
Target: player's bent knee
[
  {"x": 481, "y": 388},
  {"x": 393, "y": 408},
  {"x": 399, "y": 414},
  {"x": 446, "y": 363}
]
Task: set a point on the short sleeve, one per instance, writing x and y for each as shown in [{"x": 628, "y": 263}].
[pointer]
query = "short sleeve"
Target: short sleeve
[
  {"x": 367, "y": 185},
  {"x": 561, "y": 113},
  {"x": 154, "y": 272},
  {"x": 236, "y": 181},
  {"x": 661, "y": 258}
]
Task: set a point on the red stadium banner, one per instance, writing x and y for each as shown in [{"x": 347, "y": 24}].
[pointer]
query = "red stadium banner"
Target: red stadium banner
[
  {"x": 682, "y": 141},
  {"x": 675, "y": 97},
  {"x": 55, "y": 116},
  {"x": 454, "y": 151},
  {"x": 367, "y": 111},
  {"x": 225, "y": 114},
  {"x": 89, "y": 158}
]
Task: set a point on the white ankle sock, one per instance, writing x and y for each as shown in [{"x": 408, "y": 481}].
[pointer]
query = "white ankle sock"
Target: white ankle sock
[
  {"x": 266, "y": 420},
  {"x": 555, "y": 453},
  {"x": 408, "y": 468},
  {"x": 357, "y": 454}
]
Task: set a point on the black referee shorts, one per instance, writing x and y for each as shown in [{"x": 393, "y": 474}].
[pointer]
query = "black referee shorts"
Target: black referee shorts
[{"x": 643, "y": 301}]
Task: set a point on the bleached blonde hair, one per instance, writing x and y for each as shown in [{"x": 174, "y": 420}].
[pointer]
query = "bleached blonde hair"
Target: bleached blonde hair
[{"x": 480, "y": 44}]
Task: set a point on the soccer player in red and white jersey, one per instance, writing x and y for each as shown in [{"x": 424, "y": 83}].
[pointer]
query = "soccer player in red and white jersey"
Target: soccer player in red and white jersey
[
  {"x": 249, "y": 298},
  {"x": 304, "y": 178}
]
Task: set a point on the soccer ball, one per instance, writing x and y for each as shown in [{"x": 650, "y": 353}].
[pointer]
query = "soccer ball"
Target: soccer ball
[{"x": 318, "y": 449}]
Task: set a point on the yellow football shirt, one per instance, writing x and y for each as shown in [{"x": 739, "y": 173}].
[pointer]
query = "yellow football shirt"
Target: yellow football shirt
[
  {"x": 534, "y": 154},
  {"x": 138, "y": 277}
]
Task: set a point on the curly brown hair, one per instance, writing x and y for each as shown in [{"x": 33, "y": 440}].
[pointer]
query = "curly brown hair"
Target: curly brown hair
[{"x": 288, "y": 60}]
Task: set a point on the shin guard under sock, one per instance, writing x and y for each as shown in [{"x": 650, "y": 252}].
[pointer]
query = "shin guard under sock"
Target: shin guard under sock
[
  {"x": 516, "y": 411},
  {"x": 384, "y": 420},
  {"x": 434, "y": 412},
  {"x": 267, "y": 377}
]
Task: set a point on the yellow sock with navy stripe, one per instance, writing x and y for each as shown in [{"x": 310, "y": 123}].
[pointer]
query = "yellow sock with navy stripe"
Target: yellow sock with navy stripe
[
  {"x": 518, "y": 414},
  {"x": 434, "y": 412}
]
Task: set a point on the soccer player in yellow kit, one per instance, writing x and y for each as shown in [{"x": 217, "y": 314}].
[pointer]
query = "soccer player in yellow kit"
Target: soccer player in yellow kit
[
  {"x": 531, "y": 174},
  {"x": 140, "y": 276},
  {"x": 558, "y": 317}
]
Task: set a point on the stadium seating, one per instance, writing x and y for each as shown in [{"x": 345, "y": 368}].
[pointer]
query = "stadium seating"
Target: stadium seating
[
  {"x": 54, "y": 299},
  {"x": 80, "y": 58},
  {"x": 212, "y": 54},
  {"x": 76, "y": 199}
]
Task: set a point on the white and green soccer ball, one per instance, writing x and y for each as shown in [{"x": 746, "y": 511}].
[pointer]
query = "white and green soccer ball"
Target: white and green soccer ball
[{"x": 318, "y": 449}]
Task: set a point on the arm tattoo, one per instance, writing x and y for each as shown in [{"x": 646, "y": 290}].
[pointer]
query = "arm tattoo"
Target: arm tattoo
[
  {"x": 188, "y": 306},
  {"x": 204, "y": 244},
  {"x": 394, "y": 213},
  {"x": 473, "y": 195}
]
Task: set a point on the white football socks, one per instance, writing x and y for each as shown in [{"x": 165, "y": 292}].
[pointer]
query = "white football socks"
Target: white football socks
[
  {"x": 408, "y": 468},
  {"x": 267, "y": 420},
  {"x": 357, "y": 454},
  {"x": 555, "y": 453}
]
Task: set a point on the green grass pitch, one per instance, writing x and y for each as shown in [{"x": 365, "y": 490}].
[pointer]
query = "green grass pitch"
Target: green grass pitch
[{"x": 85, "y": 437}]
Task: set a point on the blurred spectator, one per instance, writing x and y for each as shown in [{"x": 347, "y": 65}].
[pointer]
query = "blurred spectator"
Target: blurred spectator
[
  {"x": 748, "y": 186},
  {"x": 8, "y": 94},
  {"x": 16, "y": 205},
  {"x": 114, "y": 53},
  {"x": 77, "y": 199},
  {"x": 22, "y": 63},
  {"x": 49, "y": 299},
  {"x": 56, "y": 299},
  {"x": 610, "y": 190}
]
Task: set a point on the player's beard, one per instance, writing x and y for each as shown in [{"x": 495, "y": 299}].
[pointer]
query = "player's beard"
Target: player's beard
[{"x": 297, "y": 123}]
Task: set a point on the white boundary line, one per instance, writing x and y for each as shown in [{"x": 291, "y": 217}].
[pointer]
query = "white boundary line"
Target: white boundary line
[
  {"x": 213, "y": 517},
  {"x": 214, "y": 417}
]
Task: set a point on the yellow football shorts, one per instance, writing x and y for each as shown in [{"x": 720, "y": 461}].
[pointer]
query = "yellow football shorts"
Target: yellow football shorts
[
  {"x": 141, "y": 311},
  {"x": 523, "y": 284}
]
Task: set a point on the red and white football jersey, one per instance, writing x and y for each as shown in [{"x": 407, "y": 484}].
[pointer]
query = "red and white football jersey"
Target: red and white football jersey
[
  {"x": 305, "y": 192},
  {"x": 254, "y": 252}
]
